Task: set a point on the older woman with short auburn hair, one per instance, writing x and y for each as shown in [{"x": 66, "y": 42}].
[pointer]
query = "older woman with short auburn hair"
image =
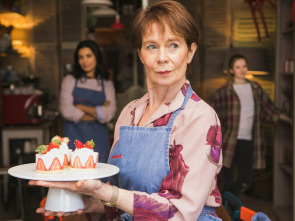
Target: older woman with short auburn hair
[{"x": 167, "y": 144}]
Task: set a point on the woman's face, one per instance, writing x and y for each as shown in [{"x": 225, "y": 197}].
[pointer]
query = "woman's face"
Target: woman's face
[
  {"x": 240, "y": 69},
  {"x": 87, "y": 61},
  {"x": 165, "y": 57}
]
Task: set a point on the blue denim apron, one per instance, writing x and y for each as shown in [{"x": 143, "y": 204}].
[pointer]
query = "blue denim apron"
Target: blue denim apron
[
  {"x": 142, "y": 154},
  {"x": 88, "y": 130}
]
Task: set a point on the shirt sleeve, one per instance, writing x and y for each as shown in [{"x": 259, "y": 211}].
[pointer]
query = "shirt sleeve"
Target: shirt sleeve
[
  {"x": 195, "y": 160},
  {"x": 271, "y": 112},
  {"x": 106, "y": 113},
  {"x": 66, "y": 100}
]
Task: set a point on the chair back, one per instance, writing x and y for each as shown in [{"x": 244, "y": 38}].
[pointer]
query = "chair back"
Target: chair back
[
  {"x": 246, "y": 214},
  {"x": 234, "y": 203}
]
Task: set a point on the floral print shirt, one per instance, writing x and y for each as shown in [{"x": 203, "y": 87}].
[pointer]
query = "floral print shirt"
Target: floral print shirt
[{"x": 195, "y": 159}]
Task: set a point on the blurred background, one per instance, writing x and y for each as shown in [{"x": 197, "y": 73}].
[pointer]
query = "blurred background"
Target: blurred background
[{"x": 37, "y": 43}]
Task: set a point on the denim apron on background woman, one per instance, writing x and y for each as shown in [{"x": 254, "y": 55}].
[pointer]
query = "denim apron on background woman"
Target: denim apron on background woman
[
  {"x": 142, "y": 154},
  {"x": 88, "y": 130}
]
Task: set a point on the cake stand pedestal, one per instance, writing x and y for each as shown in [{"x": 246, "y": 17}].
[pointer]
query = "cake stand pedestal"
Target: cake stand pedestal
[{"x": 60, "y": 199}]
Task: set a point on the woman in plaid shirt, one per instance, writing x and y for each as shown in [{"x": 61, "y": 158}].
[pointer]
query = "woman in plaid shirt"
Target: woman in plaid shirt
[{"x": 242, "y": 106}]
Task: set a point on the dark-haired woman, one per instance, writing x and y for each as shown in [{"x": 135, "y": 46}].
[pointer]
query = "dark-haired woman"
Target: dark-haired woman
[{"x": 87, "y": 99}]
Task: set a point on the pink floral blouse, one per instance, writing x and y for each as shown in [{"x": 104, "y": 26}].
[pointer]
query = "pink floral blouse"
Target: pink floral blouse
[{"x": 195, "y": 159}]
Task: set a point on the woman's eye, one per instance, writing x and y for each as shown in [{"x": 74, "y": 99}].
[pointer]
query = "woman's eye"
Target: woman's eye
[
  {"x": 173, "y": 45},
  {"x": 151, "y": 47}
]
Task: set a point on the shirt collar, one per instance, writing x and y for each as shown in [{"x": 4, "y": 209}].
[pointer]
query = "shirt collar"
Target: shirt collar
[{"x": 163, "y": 109}]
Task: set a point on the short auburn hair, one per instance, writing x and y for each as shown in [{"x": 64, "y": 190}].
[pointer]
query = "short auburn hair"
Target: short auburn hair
[{"x": 164, "y": 13}]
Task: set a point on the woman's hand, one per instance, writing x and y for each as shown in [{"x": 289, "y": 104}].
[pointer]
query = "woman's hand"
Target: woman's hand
[
  {"x": 90, "y": 112},
  {"x": 286, "y": 119},
  {"x": 89, "y": 189},
  {"x": 91, "y": 205},
  {"x": 106, "y": 103}
]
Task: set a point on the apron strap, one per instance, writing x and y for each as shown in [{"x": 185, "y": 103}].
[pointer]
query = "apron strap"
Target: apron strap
[
  {"x": 186, "y": 99},
  {"x": 102, "y": 85}
]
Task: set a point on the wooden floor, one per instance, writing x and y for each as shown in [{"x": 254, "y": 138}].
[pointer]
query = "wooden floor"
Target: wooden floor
[{"x": 259, "y": 205}]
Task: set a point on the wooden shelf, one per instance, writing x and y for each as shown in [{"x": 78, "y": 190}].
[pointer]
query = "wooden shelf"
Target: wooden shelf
[
  {"x": 110, "y": 36},
  {"x": 284, "y": 179},
  {"x": 286, "y": 74},
  {"x": 288, "y": 31}
]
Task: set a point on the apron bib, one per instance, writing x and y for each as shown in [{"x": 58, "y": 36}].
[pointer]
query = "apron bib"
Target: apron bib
[
  {"x": 142, "y": 154},
  {"x": 88, "y": 130}
]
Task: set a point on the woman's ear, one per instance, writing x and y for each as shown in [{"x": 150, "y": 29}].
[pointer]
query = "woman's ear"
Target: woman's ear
[
  {"x": 231, "y": 71},
  {"x": 191, "y": 52},
  {"x": 139, "y": 55}
]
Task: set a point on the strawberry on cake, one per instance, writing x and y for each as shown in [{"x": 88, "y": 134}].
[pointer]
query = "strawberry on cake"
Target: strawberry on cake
[
  {"x": 49, "y": 158},
  {"x": 84, "y": 157},
  {"x": 64, "y": 148}
]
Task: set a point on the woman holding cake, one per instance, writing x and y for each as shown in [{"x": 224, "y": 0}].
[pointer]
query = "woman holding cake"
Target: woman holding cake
[
  {"x": 87, "y": 99},
  {"x": 168, "y": 143}
]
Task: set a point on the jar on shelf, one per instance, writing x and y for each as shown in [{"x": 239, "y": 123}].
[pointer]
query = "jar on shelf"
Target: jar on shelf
[{"x": 289, "y": 65}]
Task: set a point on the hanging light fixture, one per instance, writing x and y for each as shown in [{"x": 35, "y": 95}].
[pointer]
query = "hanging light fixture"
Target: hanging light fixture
[
  {"x": 104, "y": 11},
  {"x": 117, "y": 23},
  {"x": 97, "y": 2}
]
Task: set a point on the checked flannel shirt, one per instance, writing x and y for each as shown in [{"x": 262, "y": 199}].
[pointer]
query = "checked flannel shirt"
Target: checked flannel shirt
[{"x": 226, "y": 103}]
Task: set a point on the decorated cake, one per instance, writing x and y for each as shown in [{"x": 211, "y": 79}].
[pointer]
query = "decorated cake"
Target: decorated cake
[
  {"x": 49, "y": 158},
  {"x": 84, "y": 157},
  {"x": 64, "y": 148}
]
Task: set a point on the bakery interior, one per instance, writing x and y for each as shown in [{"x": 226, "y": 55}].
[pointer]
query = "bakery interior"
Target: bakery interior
[{"x": 37, "y": 42}]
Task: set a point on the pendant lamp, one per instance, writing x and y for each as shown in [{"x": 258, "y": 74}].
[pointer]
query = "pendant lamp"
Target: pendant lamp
[
  {"x": 104, "y": 11},
  {"x": 97, "y": 2},
  {"x": 117, "y": 23}
]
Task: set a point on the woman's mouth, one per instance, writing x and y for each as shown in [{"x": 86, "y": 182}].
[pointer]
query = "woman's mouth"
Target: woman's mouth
[{"x": 163, "y": 72}]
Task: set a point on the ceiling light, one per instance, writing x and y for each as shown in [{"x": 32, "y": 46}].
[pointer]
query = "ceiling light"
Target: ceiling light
[
  {"x": 117, "y": 23},
  {"x": 104, "y": 11},
  {"x": 97, "y": 2}
]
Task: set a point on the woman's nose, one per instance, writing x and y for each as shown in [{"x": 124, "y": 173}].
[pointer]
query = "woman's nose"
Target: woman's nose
[{"x": 162, "y": 55}]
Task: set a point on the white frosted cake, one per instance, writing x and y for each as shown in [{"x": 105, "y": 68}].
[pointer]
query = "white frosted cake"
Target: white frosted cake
[
  {"x": 64, "y": 148},
  {"x": 84, "y": 157},
  {"x": 50, "y": 161}
]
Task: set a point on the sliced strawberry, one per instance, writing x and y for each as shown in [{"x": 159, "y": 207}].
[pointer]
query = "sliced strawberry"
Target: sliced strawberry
[
  {"x": 65, "y": 139},
  {"x": 54, "y": 144},
  {"x": 89, "y": 144},
  {"x": 43, "y": 149},
  {"x": 40, "y": 165},
  {"x": 79, "y": 144},
  {"x": 66, "y": 162},
  {"x": 56, "y": 138},
  {"x": 77, "y": 163},
  {"x": 90, "y": 163},
  {"x": 55, "y": 165}
]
